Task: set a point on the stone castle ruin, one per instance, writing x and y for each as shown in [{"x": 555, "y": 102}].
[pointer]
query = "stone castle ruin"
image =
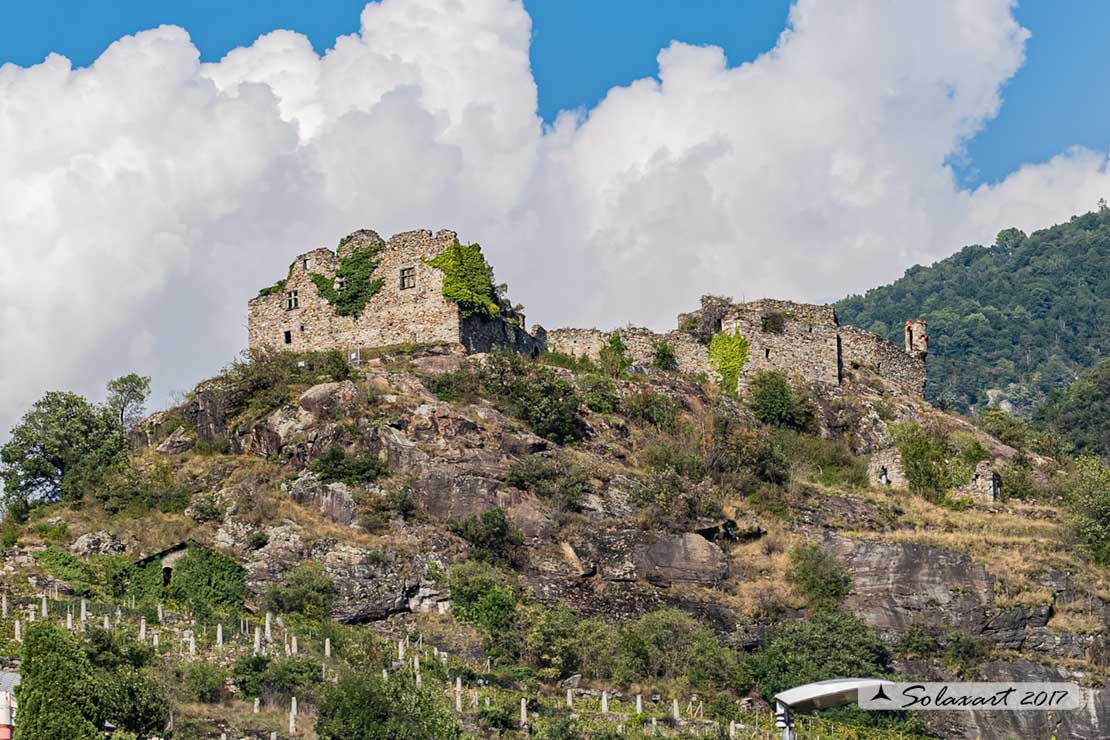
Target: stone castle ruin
[
  {"x": 399, "y": 298},
  {"x": 372, "y": 293},
  {"x": 804, "y": 341}
]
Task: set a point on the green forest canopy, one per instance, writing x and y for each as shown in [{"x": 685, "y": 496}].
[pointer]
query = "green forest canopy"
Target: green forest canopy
[{"x": 1024, "y": 315}]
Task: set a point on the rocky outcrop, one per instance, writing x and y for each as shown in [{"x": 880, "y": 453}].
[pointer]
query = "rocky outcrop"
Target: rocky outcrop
[
  {"x": 97, "y": 543},
  {"x": 328, "y": 400},
  {"x": 658, "y": 558},
  {"x": 335, "y": 501},
  {"x": 210, "y": 409},
  {"x": 178, "y": 442},
  {"x": 899, "y": 585}
]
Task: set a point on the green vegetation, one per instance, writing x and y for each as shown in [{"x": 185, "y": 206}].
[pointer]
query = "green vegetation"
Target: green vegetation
[
  {"x": 267, "y": 380},
  {"x": 1079, "y": 415},
  {"x": 60, "y": 449},
  {"x": 491, "y": 536},
  {"x": 1023, "y": 315},
  {"x": 127, "y": 397},
  {"x": 599, "y": 393},
  {"x": 832, "y": 644},
  {"x": 728, "y": 353},
  {"x": 772, "y": 401},
  {"x": 664, "y": 357},
  {"x": 57, "y": 692},
  {"x": 611, "y": 358},
  {"x": 654, "y": 408},
  {"x": 1087, "y": 496},
  {"x": 521, "y": 387},
  {"x": 935, "y": 461},
  {"x": 818, "y": 575},
  {"x": 278, "y": 287},
  {"x": 359, "y": 284},
  {"x": 306, "y": 589},
  {"x": 562, "y": 484},
  {"x": 336, "y": 466},
  {"x": 365, "y": 707},
  {"x": 203, "y": 681},
  {"x": 468, "y": 280}
]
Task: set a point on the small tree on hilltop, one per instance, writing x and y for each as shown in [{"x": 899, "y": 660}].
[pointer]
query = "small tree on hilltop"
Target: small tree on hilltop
[
  {"x": 612, "y": 359},
  {"x": 127, "y": 397}
]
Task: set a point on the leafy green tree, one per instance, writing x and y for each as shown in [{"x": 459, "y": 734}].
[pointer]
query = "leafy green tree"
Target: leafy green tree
[
  {"x": 1079, "y": 415},
  {"x": 365, "y": 707},
  {"x": 611, "y": 358},
  {"x": 772, "y": 401},
  {"x": 492, "y": 537},
  {"x": 203, "y": 681},
  {"x": 1004, "y": 426},
  {"x": 1021, "y": 316},
  {"x": 1087, "y": 495},
  {"x": 127, "y": 396},
  {"x": 669, "y": 644},
  {"x": 60, "y": 448},
  {"x": 664, "y": 357},
  {"x": 923, "y": 460},
  {"x": 832, "y": 644},
  {"x": 57, "y": 692}
]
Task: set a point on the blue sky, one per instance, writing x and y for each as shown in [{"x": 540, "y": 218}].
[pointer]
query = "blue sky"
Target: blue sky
[{"x": 581, "y": 48}]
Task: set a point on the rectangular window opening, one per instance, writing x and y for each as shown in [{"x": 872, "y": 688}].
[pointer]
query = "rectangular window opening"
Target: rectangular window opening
[
  {"x": 307, "y": 263},
  {"x": 408, "y": 277},
  {"x": 288, "y": 337},
  {"x": 291, "y": 300}
]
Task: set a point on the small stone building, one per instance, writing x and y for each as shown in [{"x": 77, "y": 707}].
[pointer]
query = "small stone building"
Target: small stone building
[
  {"x": 409, "y": 306},
  {"x": 885, "y": 469},
  {"x": 985, "y": 485}
]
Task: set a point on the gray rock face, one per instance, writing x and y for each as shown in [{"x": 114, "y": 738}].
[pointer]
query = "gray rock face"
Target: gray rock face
[
  {"x": 97, "y": 543},
  {"x": 210, "y": 410},
  {"x": 444, "y": 494},
  {"x": 327, "y": 400},
  {"x": 334, "y": 500},
  {"x": 1092, "y": 722},
  {"x": 175, "y": 444},
  {"x": 899, "y": 585},
  {"x": 661, "y": 559}
]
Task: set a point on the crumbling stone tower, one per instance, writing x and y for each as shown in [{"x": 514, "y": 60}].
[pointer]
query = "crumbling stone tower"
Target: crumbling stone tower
[{"x": 917, "y": 338}]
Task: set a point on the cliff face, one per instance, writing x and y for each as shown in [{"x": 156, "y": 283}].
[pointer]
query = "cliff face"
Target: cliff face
[{"x": 610, "y": 528}]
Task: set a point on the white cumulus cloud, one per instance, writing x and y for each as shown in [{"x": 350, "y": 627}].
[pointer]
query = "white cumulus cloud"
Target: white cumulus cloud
[{"x": 145, "y": 198}]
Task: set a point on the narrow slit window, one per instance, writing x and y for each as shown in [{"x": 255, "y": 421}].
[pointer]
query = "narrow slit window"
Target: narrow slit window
[
  {"x": 288, "y": 337},
  {"x": 766, "y": 353},
  {"x": 307, "y": 263},
  {"x": 408, "y": 277},
  {"x": 291, "y": 300}
]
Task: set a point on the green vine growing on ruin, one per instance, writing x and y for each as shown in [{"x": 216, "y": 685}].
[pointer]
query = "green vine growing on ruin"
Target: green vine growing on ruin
[
  {"x": 468, "y": 280},
  {"x": 728, "y": 353},
  {"x": 359, "y": 284}
]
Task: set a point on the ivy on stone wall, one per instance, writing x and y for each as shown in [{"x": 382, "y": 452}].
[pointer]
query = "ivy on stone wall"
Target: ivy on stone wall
[
  {"x": 467, "y": 280},
  {"x": 277, "y": 287},
  {"x": 728, "y": 353},
  {"x": 359, "y": 284}
]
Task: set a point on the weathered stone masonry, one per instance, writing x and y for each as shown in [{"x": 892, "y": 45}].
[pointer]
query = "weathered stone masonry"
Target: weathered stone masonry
[
  {"x": 802, "y": 340},
  {"x": 410, "y": 306}
]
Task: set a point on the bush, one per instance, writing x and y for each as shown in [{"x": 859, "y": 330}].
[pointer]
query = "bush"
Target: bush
[
  {"x": 1003, "y": 426},
  {"x": 468, "y": 280},
  {"x": 599, "y": 393},
  {"x": 828, "y": 462},
  {"x": 203, "y": 681},
  {"x": 564, "y": 485},
  {"x": 653, "y": 408},
  {"x": 664, "y": 357},
  {"x": 832, "y": 644},
  {"x": 670, "y": 644},
  {"x": 483, "y": 596},
  {"x": 923, "y": 460},
  {"x": 248, "y": 673},
  {"x": 818, "y": 576},
  {"x": 365, "y": 707},
  {"x": 499, "y": 716},
  {"x": 772, "y": 401},
  {"x": 298, "y": 675},
  {"x": 306, "y": 589},
  {"x": 491, "y": 537},
  {"x": 336, "y": 466},
  {"x": 549, "y": 642},
  {"x": 611, "y": 358}
]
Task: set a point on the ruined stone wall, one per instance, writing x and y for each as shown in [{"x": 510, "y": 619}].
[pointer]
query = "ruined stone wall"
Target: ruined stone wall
[
  {"x": 861, "y": 348},
  {"x": 797, "y": 339},
  {"x": 692, "y": 356},
  {"x": 393, "y": 316},
  {"x": 479, "y": 334}
]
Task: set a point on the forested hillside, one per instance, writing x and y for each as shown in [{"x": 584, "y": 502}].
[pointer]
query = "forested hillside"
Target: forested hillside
[{"x": 1024, "y": 316}]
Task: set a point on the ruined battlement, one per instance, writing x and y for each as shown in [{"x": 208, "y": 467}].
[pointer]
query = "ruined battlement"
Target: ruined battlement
[
  {"x": 405, "y": 305},
  {"x": 803, "y": 340}
]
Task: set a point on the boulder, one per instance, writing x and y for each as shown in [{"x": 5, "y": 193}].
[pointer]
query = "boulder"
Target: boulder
[
  {"x": 210, "y": 409},
  {"x": 97, "y": 543},
  {"x": 178, "y": 442},
  {"x": 684, "y": 558},
  {"x": 328, "y": 400}
]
